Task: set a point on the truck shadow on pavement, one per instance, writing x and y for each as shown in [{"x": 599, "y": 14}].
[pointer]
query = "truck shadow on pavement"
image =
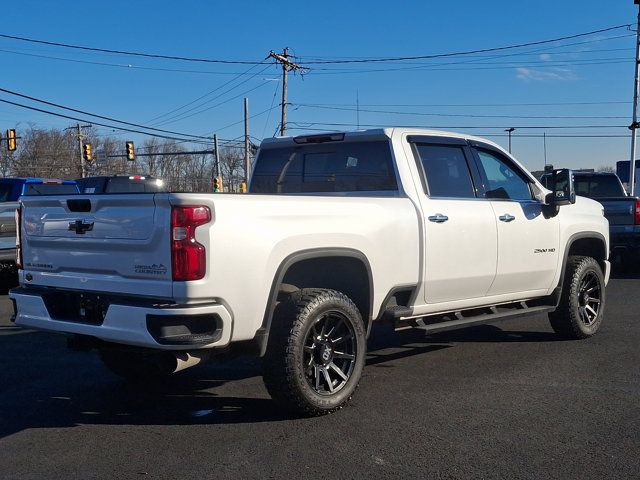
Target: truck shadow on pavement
[{"x": 44, "y": 385}]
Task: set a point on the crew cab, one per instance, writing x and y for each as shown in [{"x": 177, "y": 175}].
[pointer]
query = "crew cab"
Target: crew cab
[{"x": 419, "y": 228}]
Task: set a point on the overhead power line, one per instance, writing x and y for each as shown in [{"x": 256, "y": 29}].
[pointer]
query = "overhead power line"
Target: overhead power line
[
  {"x": 177, "y": 109},
  {"x": 57, "y": 105},
  {"x": 463, "y": 115},
  {"x": 467, "y": 105},
  {"x": 130, "y": 53},
  {"x": 120, "y": 65},
  {"x": 184, "y": 115},
  {"x": 187, "y": 113},
  {"x": 77, "y": 119},
  {"x": 314, "y": 62},
  {"x": 464, "y": 52}
]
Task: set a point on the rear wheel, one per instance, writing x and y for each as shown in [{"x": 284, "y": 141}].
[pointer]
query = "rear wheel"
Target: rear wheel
[
  {"x": 316, "y": 352},
  {"x": 581, "y": 308}
]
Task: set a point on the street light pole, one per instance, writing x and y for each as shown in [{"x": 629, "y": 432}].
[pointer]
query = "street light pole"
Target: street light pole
[{"x": 511, "y": 130}]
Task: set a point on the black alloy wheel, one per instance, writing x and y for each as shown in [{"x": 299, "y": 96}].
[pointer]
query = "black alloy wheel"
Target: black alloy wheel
[
  {"x": 589, "y": 298},
  {"x": 330, "y": 351}
]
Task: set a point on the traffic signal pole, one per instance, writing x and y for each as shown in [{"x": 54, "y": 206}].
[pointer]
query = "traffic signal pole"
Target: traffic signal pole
[
  {"x": 83, "y": 167},
  {"x": 247, "y": 157}
]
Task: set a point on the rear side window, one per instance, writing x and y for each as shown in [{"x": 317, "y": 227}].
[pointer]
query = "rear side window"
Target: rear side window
[
  {"x": 335, "y": 167},
  {"x": 446, "y": 171}
]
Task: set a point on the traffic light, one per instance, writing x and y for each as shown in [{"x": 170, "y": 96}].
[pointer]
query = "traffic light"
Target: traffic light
[
  {"x": 87, "y": 154},
  {"x": 131, "y": 153},
  {"x": 11, "y": 140},
  {"x": 243, "y": 187},
  {"x": 217, "y": 184}
]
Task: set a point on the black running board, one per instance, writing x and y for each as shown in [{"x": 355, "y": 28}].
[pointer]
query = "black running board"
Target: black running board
[{"x": 466, "y": 318}]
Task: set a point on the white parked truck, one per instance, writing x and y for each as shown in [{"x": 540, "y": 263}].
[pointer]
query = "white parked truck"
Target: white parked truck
[{"x": 421, "y": 228}]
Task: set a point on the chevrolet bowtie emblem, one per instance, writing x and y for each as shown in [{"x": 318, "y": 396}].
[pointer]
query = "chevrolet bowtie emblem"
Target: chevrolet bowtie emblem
[{"x": 81, "y": 226}]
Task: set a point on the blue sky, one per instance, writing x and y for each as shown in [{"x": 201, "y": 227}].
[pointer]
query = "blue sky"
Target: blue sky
[{"x": 588, "y": 77}]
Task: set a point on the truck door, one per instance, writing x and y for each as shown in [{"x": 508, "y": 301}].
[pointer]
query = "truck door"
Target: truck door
[
  {"x": 528, "y": 241},
  {"x": 460, "y": 229}
]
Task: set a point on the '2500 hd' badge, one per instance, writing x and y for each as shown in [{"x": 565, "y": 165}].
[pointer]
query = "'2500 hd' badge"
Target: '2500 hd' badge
[{"x": 155, "y": 269}]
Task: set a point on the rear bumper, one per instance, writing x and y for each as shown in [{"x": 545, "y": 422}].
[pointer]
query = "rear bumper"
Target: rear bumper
[
  {"x": 162, "y": 327},
  {"x": 8, "y": 255},
  {"x": 625, "y": 237}
]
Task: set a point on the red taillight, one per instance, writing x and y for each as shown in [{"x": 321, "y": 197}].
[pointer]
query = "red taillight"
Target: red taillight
[
  {"x": 188, "y": 257},
  {"x": 637, "y": 215},
  {"x": 18, "y": 240}
]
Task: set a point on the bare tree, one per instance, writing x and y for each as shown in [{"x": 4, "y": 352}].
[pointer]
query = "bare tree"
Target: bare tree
[
  {"x": 232, "y": 168},
  {"x": 54, "y": 153},
  {"x": 606, "y": 169}
]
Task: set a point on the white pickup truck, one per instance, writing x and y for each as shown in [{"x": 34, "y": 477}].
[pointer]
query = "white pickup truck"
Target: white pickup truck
[{"x": 422, "y": 228}]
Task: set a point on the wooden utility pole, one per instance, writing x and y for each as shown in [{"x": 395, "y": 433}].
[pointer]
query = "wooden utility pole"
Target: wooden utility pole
[
  {"x": 216, "y": 165},
  {"x": 287, "y": 65},
  {"x": 247, "y": 157},
  {"x": 83, "y": 166}
]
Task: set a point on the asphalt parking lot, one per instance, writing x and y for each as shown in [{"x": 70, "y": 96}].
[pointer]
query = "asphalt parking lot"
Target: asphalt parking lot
[{"x": 500, "y": 401}]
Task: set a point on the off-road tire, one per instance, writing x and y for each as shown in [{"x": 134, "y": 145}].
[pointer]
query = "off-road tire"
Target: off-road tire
[
  {"x": 568, "y": 321},
  {"x": 288, "y": 361}
]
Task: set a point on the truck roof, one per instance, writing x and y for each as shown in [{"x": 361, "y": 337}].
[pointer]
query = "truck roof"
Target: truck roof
[
  {"x": 36, "y": 180},
  {"x": 372, "y": 134}
]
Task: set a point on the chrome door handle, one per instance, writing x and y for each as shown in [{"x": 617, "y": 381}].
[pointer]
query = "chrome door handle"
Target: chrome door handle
[
  {"x": 506, "y": 218},
  {"x": 438, "y": 218}
]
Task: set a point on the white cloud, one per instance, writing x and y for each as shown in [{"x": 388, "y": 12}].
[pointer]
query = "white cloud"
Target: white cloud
[
  {"x": 545, "y": 57},
  {"x": 551, "y": 74}
]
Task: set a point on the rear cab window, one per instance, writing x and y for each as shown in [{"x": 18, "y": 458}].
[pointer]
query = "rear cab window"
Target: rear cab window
[
  {"x": 326, "y": 168},
  {"x": 598, "y": 186},
  {"x": 49, "y": 189},
  {"x": 128, "y": 185}
]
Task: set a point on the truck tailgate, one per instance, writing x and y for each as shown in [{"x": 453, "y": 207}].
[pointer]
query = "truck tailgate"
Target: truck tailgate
[
  {"x": 619, "y": 211},
  {"x": 114, "y": 243}
]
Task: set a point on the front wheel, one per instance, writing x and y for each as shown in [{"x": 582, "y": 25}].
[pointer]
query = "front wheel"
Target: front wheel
[
  {"x": 581, "y": 308},
  {"x": 316, "y": 352}
]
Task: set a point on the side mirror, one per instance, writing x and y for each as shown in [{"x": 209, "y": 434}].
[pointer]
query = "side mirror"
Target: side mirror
[{"x": 561, "y": 185}]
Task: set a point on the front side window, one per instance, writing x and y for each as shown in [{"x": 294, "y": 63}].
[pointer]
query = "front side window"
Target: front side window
[
  {"x": 502, "y": 180},
  {"x": 446, "y": 171}
]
